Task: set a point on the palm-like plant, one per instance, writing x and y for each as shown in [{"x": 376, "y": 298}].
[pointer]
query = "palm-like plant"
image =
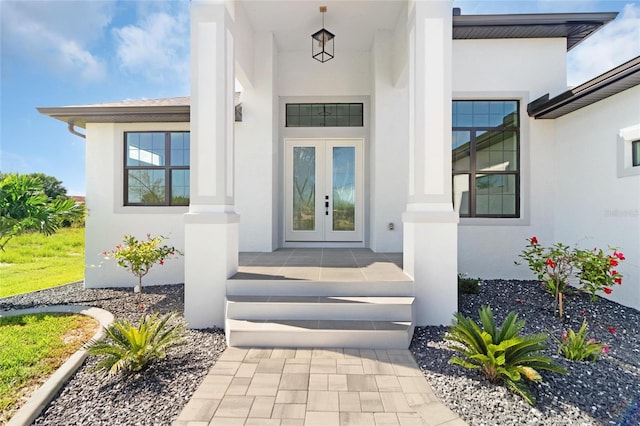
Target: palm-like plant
[
  {"x": 127, "y": 348},
  {"x": 499, "y": 352}
]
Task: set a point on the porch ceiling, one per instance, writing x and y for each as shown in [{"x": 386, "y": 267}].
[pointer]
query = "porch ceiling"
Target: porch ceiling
[{"x": 353, "y": 22}]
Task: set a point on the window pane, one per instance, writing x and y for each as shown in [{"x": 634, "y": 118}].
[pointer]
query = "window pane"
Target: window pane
[
  {"x": 481, "y": 114},
  {"x": 461, "y": 194},
  {"x": 461, "y": 150},
  {"x": 180, "y": 149},
  {"x": 145, "y": 149},
  {"x": 304, "y": 188},
  {"x": 180, "y": 187},
  {"x": 344, "y": 188},
  {"x": 495, "y": 151},
  {"x": 495, "y": 195},
  {"x": 635, "y": 147},
  {"x": 462, "y": 113},
  {"x": 146, "y": 186}
]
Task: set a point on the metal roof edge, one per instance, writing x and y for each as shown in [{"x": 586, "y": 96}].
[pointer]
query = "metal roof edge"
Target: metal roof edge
[
  {"x": 541, "y": 107},
  {"x": 534, "y": 18}
]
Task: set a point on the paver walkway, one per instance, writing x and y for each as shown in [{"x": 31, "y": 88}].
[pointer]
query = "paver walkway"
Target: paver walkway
[{"x": 322, "y": 387}]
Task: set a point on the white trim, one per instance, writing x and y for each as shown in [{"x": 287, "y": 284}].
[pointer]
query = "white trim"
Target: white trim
[{"x": 627, "y": 136}]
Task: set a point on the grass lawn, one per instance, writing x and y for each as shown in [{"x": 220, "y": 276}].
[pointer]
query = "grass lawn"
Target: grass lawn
[
  {"x": 34, "y": 261},
  {"x": 32, "y": 347}
]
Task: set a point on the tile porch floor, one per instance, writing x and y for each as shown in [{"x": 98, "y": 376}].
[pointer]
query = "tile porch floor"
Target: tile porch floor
[{"x": 321, "y": 264}]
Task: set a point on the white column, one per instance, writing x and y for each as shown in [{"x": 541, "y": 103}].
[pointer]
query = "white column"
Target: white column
[
  {"x": 211, "y": 225},
  {"x": 430, "y": 223}
]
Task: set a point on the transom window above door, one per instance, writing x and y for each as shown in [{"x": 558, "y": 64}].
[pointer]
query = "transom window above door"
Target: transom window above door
[{"x": 325, "y": 115}]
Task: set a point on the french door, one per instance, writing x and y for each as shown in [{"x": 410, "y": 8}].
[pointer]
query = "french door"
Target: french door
[{"x": 323, "y": 190}]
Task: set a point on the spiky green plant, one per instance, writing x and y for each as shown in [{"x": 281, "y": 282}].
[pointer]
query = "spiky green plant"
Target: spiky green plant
[
  {"x": 576, "y": 346},
  {"x": 500, "y": 353},
  {"x": 127, "y": 348}
]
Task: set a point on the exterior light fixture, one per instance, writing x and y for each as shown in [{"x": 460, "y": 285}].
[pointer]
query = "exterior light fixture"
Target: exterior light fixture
[{"x": 322, "y": 42}]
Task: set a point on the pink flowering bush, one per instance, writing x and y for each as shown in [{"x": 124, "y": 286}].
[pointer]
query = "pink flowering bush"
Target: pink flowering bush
[
  {"x": 139, "y": 256},
  {"x": 593, "y": 270}
]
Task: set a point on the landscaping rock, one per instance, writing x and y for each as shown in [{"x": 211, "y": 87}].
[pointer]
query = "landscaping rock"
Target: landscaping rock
[
  {"x": 592, "y": 393},
  {"x": 155, "y": 396}
]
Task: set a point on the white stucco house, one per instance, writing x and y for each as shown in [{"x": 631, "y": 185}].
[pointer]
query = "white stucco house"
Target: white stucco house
[{"x": 446, "y": 137}]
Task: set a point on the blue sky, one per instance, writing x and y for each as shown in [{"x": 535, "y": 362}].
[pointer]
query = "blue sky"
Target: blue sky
[{"x": 74, "y": 52}]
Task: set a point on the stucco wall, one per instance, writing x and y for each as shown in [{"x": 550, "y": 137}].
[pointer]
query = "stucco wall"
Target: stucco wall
[
  {"x": 523, "y": 70},
  {"x": 389, "y": 149},
  {"x": 108, "y": 220},
  {"x": 594, "y": 206},
  {"x": 256, "y": 152}
]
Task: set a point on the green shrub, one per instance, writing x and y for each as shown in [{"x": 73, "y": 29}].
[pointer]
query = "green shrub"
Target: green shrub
[
  {"x": 501, "y": 355},
  {"x": 128, "y": 349},
  {"x": 576, "y": 347},
  {"x": 468, "y": 285}
]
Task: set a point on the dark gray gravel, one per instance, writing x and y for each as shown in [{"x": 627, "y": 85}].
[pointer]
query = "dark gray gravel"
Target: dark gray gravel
[
  {"x": 165, "y": 387},
  {"x": 603, "y": 393},
  {"x": 606, "y": 392}
]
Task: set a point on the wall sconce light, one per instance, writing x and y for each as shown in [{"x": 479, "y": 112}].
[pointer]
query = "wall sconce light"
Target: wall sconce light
[{"x": 322, "y": 48}]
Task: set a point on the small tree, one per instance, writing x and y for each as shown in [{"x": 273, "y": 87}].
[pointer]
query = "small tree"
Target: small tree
[
  {"x": 140, "y": 256},
  {"x": 24, "y": 206}
]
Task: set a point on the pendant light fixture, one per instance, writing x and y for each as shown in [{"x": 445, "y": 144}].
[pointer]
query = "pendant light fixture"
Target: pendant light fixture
[{"x": 322, "y": 42}]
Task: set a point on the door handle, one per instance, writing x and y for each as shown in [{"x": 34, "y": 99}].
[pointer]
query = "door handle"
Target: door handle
[{"x": 326, "y": 205}]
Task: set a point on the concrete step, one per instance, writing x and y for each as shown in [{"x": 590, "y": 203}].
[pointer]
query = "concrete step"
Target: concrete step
[
  {"x": 373, "y": 308},
  {"x": 319, "y": 333},
  {"x": 258, "y": 287}
]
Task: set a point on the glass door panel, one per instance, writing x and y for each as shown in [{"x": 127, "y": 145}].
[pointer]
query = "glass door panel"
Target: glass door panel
[
  {"x": 344, "y": 188},
  {"x": 323, "y": 190},
  {"x": 304, "y": 188}
]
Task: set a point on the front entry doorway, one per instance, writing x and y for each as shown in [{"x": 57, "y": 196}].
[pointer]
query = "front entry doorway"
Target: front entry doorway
[{"x": 324, "y": 190}]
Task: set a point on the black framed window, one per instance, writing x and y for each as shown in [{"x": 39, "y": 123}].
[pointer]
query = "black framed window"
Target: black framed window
[
  {"x": 486, "y": 158},
  {"x": 635, "y": 153},
  {"x": 156, "y": 168},
  {"x": 325, "y": 115}
]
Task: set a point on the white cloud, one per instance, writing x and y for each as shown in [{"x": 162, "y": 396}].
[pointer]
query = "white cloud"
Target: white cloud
[
  {"x": 157, "y": 47},
  {"x": 56, "y": 34},
  {"x": 616, "y": 43}
]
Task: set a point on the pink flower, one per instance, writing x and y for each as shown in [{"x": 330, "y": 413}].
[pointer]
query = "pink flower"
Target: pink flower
[
  {"x": 613, "y": 272},
  {"x": 519, "y": 302},
  {"x": 612, "y": 329},
  {"x": 583, "y": 312},
  {"x": 534, "y": 240},
  {"x": 613, "y": 262},
  {"x": 618, "y": 281},
  {"x": 607, "y": 290},
  {"x": 161, "y": 262},
  {"x": 550, "y": 263},
  {"x": 564, "y": 336},
  {"x": 591, "y": 341},
  {"x": 606, "y": 349},
  {"x": 619, "y": 255}
]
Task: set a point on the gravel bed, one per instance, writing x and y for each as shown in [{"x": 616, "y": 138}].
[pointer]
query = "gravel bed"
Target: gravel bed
[
  {"x": 601, "y": 393},
  {"x": 165, "y": 387},
  {"x": 606, "y": 392}
]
